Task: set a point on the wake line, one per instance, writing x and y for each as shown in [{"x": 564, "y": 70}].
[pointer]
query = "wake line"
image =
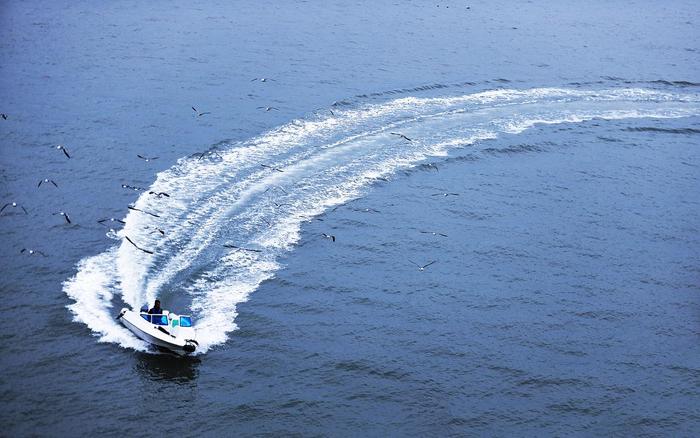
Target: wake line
[{"x": 324, "y": 162}]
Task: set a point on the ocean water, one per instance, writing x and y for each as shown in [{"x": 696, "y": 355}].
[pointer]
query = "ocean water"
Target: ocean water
[{"x": 548, "y": 173}]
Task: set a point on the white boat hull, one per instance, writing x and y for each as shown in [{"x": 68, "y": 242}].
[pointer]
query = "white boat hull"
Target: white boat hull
[{"x": 179, "y": 340}]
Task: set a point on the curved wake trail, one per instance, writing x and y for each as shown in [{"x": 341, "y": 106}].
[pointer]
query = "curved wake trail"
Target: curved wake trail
[{"x": 326, "y": 162}]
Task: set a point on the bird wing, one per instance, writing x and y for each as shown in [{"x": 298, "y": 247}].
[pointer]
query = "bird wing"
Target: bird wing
[
  {"x": 195, "y": 110},
  {"x": 4, "y": 206},
  {"x": 23, "y": 249},
  {"x": 141, "y": 156},
  {"x": 40, "y": 181},
  {"x": 54, "y": 183},
  {"x": 24, "y": 209},
  {"x": 425, "y": 266},
  {"x": 137, "y": 247},
  {"x": 413, "y": 262},
  {"x": 65, "y": 152},
  {"x": 67, "y": 218},
  {"x": 201, "y": 114}
]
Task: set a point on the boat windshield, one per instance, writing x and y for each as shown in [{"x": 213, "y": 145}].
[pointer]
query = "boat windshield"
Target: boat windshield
[
  {"x": 185, "y": 321},
  {"x": 159, "y": 319}
]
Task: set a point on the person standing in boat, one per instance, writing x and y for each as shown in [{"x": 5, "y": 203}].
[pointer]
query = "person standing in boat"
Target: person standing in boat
[{"x": 155, "y": 310}]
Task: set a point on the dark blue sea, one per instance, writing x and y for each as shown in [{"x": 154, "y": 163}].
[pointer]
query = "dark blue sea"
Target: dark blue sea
[{"x": 512, "y": 189}]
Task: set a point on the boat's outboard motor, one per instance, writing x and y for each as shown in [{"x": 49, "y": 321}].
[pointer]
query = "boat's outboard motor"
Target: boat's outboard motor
[{"x": 190, "y": 346}]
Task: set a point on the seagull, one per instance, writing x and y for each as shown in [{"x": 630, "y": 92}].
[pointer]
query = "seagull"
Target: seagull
[
  {"x": 127, "y": 186},
  {"x": 422, "y": 268},
  {"x": 198, "y": 113},
  {"x": 138, "y": 247},
  {"x": 275, "y": 187},
  {"x": 13, "y": 204},
  {"x": 400, "y": 135},
  {"x": 273, "y": 168},
  {"x": 63, "y": 148},
  {"x": 146, "y": 158},
  {"x": 445, "y": 194},
  {"x": 158, "y": 230},
  {"x": 210, "y": 153},
  {"x": 241, "y": 249},
  {"x": 268, "y": 108},
  {"x": 111, "y": 219},
  {"x": 46, "y": 180},
  {"x": 64, "y": 214},
  {"x": 142, "y": 211},
  {"x": 328, "y": 236},
  {"x": 262, "y": 79},
  {"x": 4, "y": 116},
  {"x": 32, "y": 252},
  {"x": 331, "y": 111},
  {"x": 281, "y": 205},
  {"x": 434, "y": 233},
  {"x": 159, "y": 194},
  {"x": 430, "y": 166}
]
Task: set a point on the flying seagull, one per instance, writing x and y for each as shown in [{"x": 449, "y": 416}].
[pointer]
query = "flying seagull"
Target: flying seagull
[
  {"x": 138, "y": 247},
  {"x": 328, "y": 236},
  {"x": 159, "y": 194},
  {"x": 64, "y": 214},
  {"x": 32, "y": 252},
  {"x": 158, "y": 230},
  {"x": 430, "y": 166},
  {"x": 262, "y": 79},
  {"x": 445, "y": 194},
  {"x": 127, "y": 186},
  {"x": 422, "y": 268},
  {"x": 46, "y": 180},
  {"x": 275, "y": 187},
  {"x": 111, "y": 219},
  {"x": 142, "y": 211},
  {"x": 210, "y": 153},
  {"x": 198, "y": 113},
  {"x": 13, "y": 204},
  {"x": 241, "y": 248},
  {"x": 268, "y": 108},
  {"x": 400, "y": 135},
  {"x": 271, "y": 167},
  {"x": 281, "y": 205},
  {"x": 434, "y": 233},
  {"x": 146, "y": 158},
  {"x": 63, "y": 148}
]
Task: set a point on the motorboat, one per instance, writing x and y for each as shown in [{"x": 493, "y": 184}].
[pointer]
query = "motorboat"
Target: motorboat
[{"x": 167, "y": 330}]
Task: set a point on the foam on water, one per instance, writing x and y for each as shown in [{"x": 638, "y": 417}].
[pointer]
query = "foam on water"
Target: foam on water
[{"x": 326, "y": 161}]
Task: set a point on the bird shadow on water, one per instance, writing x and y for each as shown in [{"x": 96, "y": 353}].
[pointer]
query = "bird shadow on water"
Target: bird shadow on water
[{"x": 165, "y": 366}]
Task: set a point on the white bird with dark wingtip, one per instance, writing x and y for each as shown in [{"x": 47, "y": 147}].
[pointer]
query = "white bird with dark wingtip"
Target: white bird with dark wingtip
[
  {"x": 46, "y": 181},
  {"x": 147, "y": 159},
  {"x": 137, "y": 247},
  {"x": 400, "y": 135},
  {"x": 63, "y": 148},
  {"x": 262, "y": 79},
  {"x": 434, "y": 233},
  {"x": 328, "y": 236},
  {"x": 111, "y": 219},
  {"x": 64, "y": 214},
  {"x": 268, "y": 108},
  {"x": 422, "y": 267},
  {"x": 445, "y": 194},
  {"x": 142, "y": 211},
  {"x": 14, "y": 205},
  {"x": 198, "y": 113},
  {"x": 32, "y": 252}
]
